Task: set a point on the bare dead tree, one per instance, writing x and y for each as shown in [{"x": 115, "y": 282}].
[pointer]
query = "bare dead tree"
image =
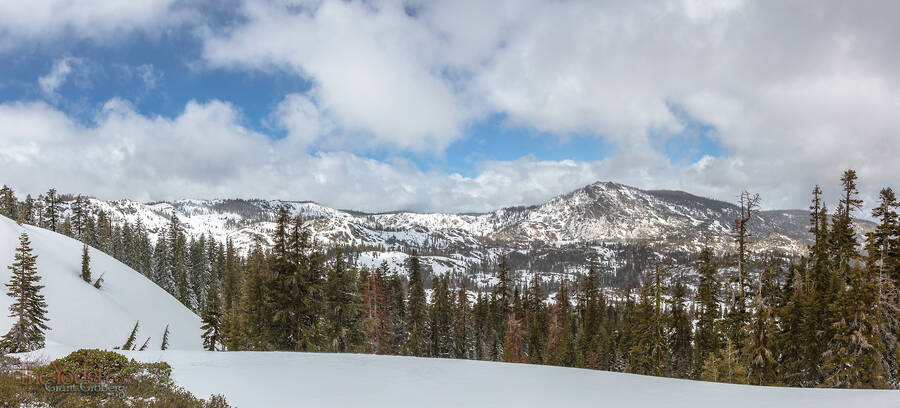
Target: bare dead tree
[{"x": 749, "y": 207}]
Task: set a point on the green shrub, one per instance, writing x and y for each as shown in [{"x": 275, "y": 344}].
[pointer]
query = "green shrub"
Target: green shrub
[{"x": 145, "y": 384}]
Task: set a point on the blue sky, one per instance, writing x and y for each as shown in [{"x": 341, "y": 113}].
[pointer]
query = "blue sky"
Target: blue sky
[{"x": 455, "y": 106}]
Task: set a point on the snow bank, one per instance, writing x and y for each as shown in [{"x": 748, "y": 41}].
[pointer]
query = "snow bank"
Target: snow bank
[
  {"x": 83, "y": 316},
  {"x": 282, "y": 379}
]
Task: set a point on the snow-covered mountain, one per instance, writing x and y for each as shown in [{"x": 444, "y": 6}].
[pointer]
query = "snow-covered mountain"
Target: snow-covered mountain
[
  {"x": 81, "y": 315},
  {"x": 587, "y": 221},
  {"x": 599, "y": 212}
]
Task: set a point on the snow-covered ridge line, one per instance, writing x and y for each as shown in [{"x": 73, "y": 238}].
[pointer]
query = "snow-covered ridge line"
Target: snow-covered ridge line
[{"x": 602, "y": 212}]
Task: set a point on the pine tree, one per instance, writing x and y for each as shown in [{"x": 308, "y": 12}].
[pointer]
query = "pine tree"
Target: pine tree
[
  {"x": 85, "y": 264},
  {"x": 8, "y": 204},
  {"x": 52, "y": 210},
  {"x": 681, "y": 364},
  {"x": 344, "y": 307},
  {"x": 592, "y": 308},
  {"x": 211, "y": 318},
  {"x": 79, "y": 217},
  {"x": 129, "y": 343},
  {"x": 255, "y": 315},
  {"x": 28, "y": 308},
  {"x": 145, "y": 344},
  {"x": 416, "y": 309},
  {"x": 537, "y": 323},
  {"x": 855, "y": 356},
  {"x": 28, "y": 208},
  {"x": 844, "y": 244},
  {"x": 760, "y": 349},
  {"x": 462, "y": 321},
  {"x": 725, "y": 366},
  {"x": 165, "y": 339},
  {"x": 561, "y": 338},
  {"x": 707, "y": 338},
  {"x": 231, "y": 333},
  {"x": 883, "y": 262},
  {"x": 648, "y": 353}
]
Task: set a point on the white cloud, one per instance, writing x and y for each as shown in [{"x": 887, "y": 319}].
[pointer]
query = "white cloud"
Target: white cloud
[
  {"x": 205, "y": 152},
  {"x": 58, "y": 74},
  {"x": 24, "y": 22},
  {"x": 369, "y": 65}
]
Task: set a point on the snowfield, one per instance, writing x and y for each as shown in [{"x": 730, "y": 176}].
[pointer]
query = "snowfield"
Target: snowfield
[
  {"x": 84, "y": 317},
  {"x": 285, "y": 379}
]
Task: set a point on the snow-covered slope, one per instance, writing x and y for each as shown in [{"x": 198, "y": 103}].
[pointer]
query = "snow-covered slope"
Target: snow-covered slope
[
  {"x": 285, "y": 379},
  {"x": 83, "y": 316}
]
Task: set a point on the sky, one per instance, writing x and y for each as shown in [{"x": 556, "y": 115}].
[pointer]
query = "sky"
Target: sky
[{"x": 447, "y": 105}]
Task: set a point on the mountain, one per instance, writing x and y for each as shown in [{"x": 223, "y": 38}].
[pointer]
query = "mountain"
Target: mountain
[
  {"x": 595, "y": 221},
  {"x": 81, "y": 315}
]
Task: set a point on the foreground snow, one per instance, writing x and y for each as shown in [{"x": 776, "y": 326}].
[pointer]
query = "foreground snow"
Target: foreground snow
[
  {"x": 285, "y": 379},
  {"x": 84, "y": 316}
]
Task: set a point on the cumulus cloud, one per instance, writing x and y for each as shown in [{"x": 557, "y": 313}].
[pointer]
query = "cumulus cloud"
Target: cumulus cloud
[
  {"x": 369, "y": 66},
  {"x": 205, "y": 152}
]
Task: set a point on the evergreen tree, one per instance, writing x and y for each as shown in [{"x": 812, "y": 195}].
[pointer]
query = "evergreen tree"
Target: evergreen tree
[
  {"x": 344, "y": 307},
  {"x": 28, "y": 308},
  {"x": 52, "y": 210},
  {"x": 725, "y": 366},
  {"x": 843, "y": 237},
  {"x": 284, "y": 286},
  {"x": 441, "y": 318},
  {"x": 255, "y": 315},
  {"x": 592, "y": 308},
  {"x": 9, "y": 206},
  {"x": 211, "y": 318},
  {"x": 537, "y": 323},
  {"x": 416, "y": 309},
  {"x": 85, "y": 264},
  {"x": 649, "y": 352},
  {"x": 27, "y": 211},
  {"x": 462, "y": 322},
  {"x": 707, "y": 339},
  {"x": 129, "y": 343},
  {"x": 561, "y": 335},
  {"x": 856, "y": 355},
  {"x": 760, "y": 349},
  {"x": 680, "y": 328},
  {"x": 79, "y": 217},
  {"x": 231, "y": 331},
  {"x": 165, "y": 339},
  {"x": 145, "y": 344}
]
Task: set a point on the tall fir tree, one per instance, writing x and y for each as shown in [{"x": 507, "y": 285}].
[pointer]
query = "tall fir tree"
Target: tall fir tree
[
  {"x": 211, "y": 318},
  {"x": 680, "y": 344},
  {"x": 416, "y": 309},
  {"x": 52, "y": 210},
  {"x": 707, "y": 339},
  {"x": 85, "y": 264},
  {"x": 344, "y": 307},
  {"x": 28, "y": 308}
]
